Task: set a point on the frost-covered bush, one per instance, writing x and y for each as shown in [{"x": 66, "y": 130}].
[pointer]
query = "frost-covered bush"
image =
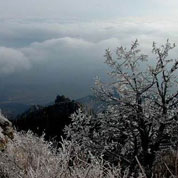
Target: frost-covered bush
[
  {"x": 141, "y": 120},
  {"x": 29, "y": 156}
]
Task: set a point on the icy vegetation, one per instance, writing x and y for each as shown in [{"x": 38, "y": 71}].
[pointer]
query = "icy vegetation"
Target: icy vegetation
[
  {"x": 141, "y": 121},
  {"x": 29, "y": 156}
]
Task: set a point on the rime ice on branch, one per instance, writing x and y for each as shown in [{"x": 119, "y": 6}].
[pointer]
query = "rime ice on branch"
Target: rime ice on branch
[{"x": 141, "y": 119}]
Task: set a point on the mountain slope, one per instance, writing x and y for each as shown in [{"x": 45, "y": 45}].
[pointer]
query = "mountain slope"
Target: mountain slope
[{"x": 49, "y": 120}]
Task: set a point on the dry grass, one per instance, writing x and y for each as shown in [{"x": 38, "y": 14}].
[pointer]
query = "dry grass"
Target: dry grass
[{"x": 167, "y": 165}]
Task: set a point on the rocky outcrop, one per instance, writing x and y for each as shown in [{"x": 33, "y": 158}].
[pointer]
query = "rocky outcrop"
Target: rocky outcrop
[{"x": 6, "y": 131}]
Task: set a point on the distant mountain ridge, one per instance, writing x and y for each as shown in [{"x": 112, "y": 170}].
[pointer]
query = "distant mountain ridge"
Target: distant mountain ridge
[
  {"x": 11, "y": 110},
  {"x": 50, "y": 120},
  {"x": 91, "y": 102}
]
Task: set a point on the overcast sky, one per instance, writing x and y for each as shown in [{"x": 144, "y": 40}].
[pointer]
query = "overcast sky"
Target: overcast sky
[
  {"x": 90, "y": 9},
  {"x": 57, "y": 47}
]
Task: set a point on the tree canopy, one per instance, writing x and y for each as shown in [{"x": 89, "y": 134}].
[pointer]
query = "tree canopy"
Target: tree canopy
[{"x": 141, "y": 119}]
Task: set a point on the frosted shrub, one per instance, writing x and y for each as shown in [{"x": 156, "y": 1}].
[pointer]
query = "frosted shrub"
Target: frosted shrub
[{"x": 29, "y": 156}]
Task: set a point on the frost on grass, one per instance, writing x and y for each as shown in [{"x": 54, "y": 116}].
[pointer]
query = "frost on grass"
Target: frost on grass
[{"x": 29, "y": 156}]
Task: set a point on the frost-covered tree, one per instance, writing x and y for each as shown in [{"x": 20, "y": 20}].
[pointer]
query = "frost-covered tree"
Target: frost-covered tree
[{"x": 141, "y": 119}]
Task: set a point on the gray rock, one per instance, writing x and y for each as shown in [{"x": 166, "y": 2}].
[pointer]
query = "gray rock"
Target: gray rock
[{"x": 6, "y": 131}]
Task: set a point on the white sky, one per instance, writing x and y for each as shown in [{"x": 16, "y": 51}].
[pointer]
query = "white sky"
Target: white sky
[{"x": 89, "y": 9}]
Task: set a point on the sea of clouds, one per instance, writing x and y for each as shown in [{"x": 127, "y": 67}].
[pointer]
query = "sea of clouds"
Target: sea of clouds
[{"x": 71, "y": 52}]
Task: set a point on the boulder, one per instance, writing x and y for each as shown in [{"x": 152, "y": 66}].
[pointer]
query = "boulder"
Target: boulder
[{"x": 6, "y": 132}]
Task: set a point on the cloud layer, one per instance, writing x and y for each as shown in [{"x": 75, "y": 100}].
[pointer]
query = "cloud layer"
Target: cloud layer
[
  {"x": 27, "y": 42},
  {"x": 12, "y": 60},
  {"x": 62, "y": 53}
]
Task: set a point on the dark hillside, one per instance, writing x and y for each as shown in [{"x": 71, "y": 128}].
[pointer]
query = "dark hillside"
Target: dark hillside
[{"x": 49, "y": 120}]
